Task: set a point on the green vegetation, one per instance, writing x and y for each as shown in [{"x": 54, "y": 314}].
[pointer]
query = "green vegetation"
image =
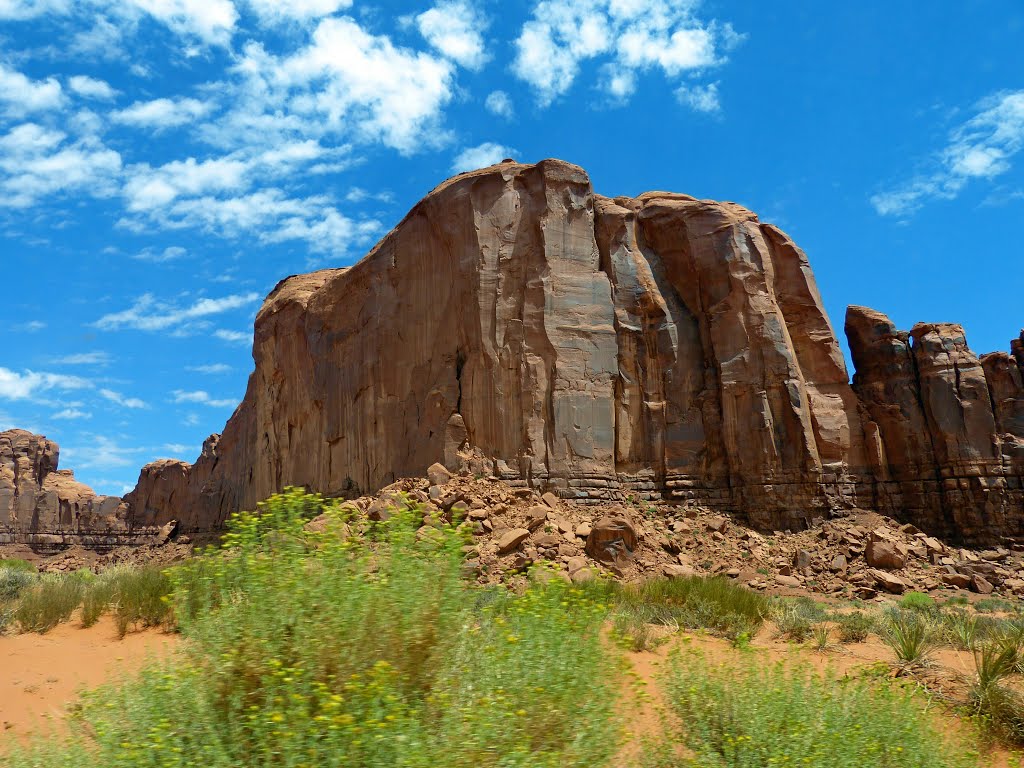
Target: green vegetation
[
  {"x": 961, "y": 629},
  {"x": 717, "y": 604},
  {"x": 313, "y": 649},
  {"x": 744, "y": 714},
  {"x": 49, "y": 602},
  {"x": 135, "y": 596},
  {"x": 917, "y": 601},
  {"x": 999, "y": 707},
  {"x": 16, "y": 564},
  {"x": 854, "y": 627},
  {"x": 796, "y": 617},
  {"x": 911, "y": 636}
]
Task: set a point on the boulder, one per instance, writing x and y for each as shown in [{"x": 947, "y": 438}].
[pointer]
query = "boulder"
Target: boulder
[
  {"x": 612, "y": 541},
  {"x": 887, "y": 581},
  {"x": 510, "y": 540},
  {"x": 883, "y": 554}
]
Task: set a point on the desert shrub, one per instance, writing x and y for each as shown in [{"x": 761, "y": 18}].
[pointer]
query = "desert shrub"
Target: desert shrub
[
  {"x": 141, "y": 597},
  {"x": 14, "y": 580},
  {"x": 911, "y": 636},
  {"x": 917, "y": 601},
  {"x": 48, "y": 603},
  {"x": 999, "y": 707},
  {"x": 308, "y": 649},
  {"x": 633, "y": 632},
  {"x": 17, "y": 564},
  {"x": 993, "y": 605},
  {"x": 795, "y": 618},
  {"x": 961, "y": 629},
  {"x": 854, "y": 627},
  {"x": 695, "y": 602},
  {"x": 747, "y": 714},
  {"x": 822, "y": 635}
]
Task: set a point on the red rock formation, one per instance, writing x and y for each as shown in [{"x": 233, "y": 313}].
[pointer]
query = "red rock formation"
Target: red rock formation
[
  {"x": 659, "y": 345},
  {"x": 42, "y": 504},
  {"x": 948, "y": 426}
]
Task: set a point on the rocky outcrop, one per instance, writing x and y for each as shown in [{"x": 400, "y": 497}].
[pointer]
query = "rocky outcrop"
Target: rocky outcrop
[
  {"x": 518, "y": 325},
  {"x": 946, "y": 427},
  {"x": 41, "y": 504}
]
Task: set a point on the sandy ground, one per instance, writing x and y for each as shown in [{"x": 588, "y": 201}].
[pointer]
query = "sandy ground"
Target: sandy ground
[{"x": 41, "y": 674}]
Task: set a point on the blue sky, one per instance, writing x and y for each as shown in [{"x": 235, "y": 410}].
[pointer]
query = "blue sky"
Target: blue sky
[{"x": 164, "y": 162}]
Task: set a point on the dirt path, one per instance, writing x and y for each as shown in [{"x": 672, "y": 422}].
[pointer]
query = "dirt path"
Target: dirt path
[{"x": 41, "y": 674}]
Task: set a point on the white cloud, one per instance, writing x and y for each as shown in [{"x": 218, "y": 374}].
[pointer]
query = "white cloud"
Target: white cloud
[
  {"x": 21, "y": 10},
  {"x": 233, "y": 337},
  {"x": 498, "y": 103},
  {"x": 455, "y": 28},
  {"x": 20, "y": 95},
  {"x": 85, "y": 358},
  {"x": 701, "y": 98},
  {"x": 278, "y": 11},
  {"x": 125, "y": 402},
  {"x": 346, "y": 81},
  {"x": 36, "y": 162},
  {"x": 202, "y": 397},
  {"x": 359, "y": 195},
  {"x": 980, "y": 148},
  {"x": 29, "y": 384},
  {"x": 635, "y": 35},
  {"x": 91, "y": 88},
  {"x": 161, "y": 114},
  {"x": 480, "y": 156},
  {"x": 213, "y": 368},
  {"x": 148, "y": 314},
  {"x": 155, "y": 256},
  {"x": 99, "y": 452},
  {"x": 71, "y": 414},
  {"x": 211, "y": 21},
  {"x": 177, "y": 448},
  {"x": 32, "y": 326}
]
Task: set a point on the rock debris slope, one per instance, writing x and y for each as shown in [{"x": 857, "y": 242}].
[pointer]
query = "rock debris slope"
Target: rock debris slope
[{"x": 520, "y": 325}]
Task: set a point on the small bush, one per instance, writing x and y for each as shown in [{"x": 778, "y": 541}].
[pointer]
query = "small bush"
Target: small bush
[
  {"x": 911, "y": 637},
  {"x": 14, "y": 580},
  {"x": 997, "y": 706},
  {"x": 917, "y": 601},
  {"x": 17, "y": 564},
  {"x": 854, "y": 627},
  {"x": 961, "y": 629},
  {"x": 633, "y": 632},
  {"x": 993, "y": 605},
  {"x": 742, "y": 715},
  {"x": 822, "y": 634},
  {"x": 48, "y": 603},
  {"x": 795, "y": 618},
  {"x": 141, "y": 597},
  {"x": 696, "y": 602}
]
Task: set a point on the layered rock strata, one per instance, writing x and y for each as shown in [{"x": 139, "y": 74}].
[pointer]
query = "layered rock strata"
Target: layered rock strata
[
  {"x": 659, "y": 345},
  {"x": 43, "y": 505}
]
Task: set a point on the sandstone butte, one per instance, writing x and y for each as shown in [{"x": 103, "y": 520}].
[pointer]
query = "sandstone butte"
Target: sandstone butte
[{"x": 519, "y": 325}]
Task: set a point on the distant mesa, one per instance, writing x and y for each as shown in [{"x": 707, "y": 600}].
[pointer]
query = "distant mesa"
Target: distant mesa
[{"x": 516, "y": 324}]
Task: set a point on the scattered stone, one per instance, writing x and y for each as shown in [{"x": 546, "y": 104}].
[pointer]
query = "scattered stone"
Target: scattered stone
[
  {"x": 883, "y": 554},
  {"x": 612, "y": 541},
  {"x": 511, "y": 540}
]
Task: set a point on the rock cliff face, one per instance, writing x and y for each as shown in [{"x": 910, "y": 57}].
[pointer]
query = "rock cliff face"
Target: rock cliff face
[
  {"x": 659, "y": 345},
  {"x": 41, "y": 504}
]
